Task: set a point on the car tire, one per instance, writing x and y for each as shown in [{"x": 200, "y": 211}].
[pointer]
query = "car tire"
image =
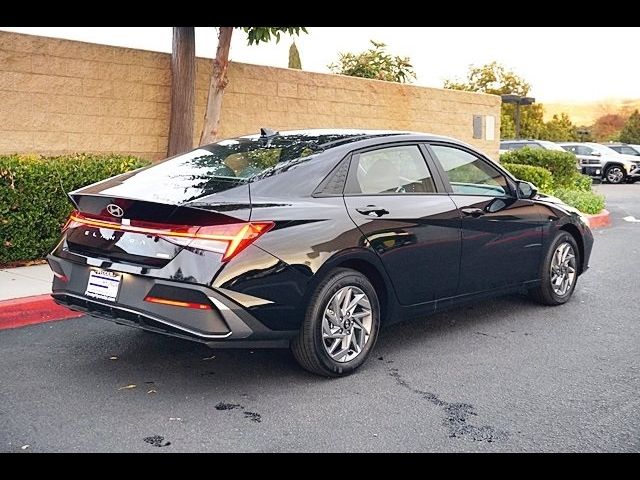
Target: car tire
[
  {"x": 324, "y": 336},
  {"x": 549, "y": 292},
  {"x": 615, "y": 174}
]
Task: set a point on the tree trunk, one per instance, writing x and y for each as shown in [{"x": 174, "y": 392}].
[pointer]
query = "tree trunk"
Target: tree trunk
[
  {"x": 183, "y": 75},
  {"x": 218, "y": 83}
]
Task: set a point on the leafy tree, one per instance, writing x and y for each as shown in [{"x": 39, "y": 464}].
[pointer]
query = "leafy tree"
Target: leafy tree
[
  {"x": 560, "y": 129},
  {"x": 495, "y": 79},
  {"x": 375, "y": 63},
  {"x": 183, "y": 74},
  {"x": 491, "y": 78},
  {"x": 608, "y": 127},
  {"x": 631, "y": 131},
  {"x": 294, "y": 57},
  {"x": 219, "y": 79}
]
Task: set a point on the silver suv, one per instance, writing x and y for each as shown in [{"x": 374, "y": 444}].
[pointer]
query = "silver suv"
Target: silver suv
[
  {"x": 603, "y": 162},
  {"x": 507, "y": 145}
]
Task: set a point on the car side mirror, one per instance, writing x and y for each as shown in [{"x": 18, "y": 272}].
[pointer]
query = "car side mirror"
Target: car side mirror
[{"x": 526, "y": 189}]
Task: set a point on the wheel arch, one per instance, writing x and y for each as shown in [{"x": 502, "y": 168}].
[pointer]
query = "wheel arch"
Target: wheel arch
[
  {"x": 368, "y": 264},
  {"x": 575, "y": 233}
]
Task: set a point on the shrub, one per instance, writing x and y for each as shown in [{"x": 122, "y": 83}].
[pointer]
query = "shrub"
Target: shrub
[
  {"x": 540, "y": 177},
  {"x": 586, "y": 202},
  {"x": 33, "y": 200},
  {"x": 562, "y": 165},
  {"x": 582, "y": 183},
  {"x": 577, "y": 193}
]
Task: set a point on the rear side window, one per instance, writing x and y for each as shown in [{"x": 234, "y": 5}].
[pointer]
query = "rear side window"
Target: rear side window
[
  {"x": 626, "y": 150},
  {"x": 392, "y": 171}
]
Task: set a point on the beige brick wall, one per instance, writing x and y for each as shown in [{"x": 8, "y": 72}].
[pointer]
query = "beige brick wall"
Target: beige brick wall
[{"x": 59, "y": 96}]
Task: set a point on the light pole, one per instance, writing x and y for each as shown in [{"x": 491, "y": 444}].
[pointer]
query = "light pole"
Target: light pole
[
  {"x": 517, "y": 100},
  {"x": 583, "y": 133}
]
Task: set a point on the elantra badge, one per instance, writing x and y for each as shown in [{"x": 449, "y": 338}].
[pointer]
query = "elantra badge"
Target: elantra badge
[{"x": 115, "y": 210}]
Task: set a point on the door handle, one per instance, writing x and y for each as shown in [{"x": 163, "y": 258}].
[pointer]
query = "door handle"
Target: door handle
[
  {"x": 472, "y": 212},
  {"x": 372, "y": 211}
]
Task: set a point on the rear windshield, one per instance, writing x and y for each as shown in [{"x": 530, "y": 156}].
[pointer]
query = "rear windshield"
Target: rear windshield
[{"x": 220, "y": 166}]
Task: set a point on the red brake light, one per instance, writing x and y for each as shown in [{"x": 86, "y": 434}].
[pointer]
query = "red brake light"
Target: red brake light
[{"x": 228, "y": 239}]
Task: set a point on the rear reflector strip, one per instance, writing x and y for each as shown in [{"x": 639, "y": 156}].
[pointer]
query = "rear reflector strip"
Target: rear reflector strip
[
  {"x": 60, "y": 276},
  {"x": 176, "y": 303}
]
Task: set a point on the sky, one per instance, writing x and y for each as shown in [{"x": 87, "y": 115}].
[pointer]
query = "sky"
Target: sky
[{"x": 563, "y": 64}]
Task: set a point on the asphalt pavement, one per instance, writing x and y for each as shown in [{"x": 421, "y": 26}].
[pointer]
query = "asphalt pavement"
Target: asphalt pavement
[{"x": 502, "y": 375}]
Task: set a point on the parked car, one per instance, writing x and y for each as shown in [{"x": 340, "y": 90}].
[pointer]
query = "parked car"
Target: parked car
[
  {"x": 506, "y": 145},
  {"x": 624, "y": 148},
  {"x": 604, "y": 163},
  {"x": 312, "y": 239}
]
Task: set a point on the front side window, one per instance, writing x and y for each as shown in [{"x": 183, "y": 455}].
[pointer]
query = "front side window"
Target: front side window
[
  {"x": 470, "y": 175},
  {"x": 533, "y": 146},
  {"x": 394, "y": 170},
  {"x": 583, "y": 150}
]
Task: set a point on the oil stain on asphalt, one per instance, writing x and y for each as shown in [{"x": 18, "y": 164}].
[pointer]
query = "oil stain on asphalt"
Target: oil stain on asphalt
[
  {"x": 253, "y": 416},
  {"x": 457, "y": 415},
  {"x": 156, "y": 441},
  {"x": 228, "y": 406}
]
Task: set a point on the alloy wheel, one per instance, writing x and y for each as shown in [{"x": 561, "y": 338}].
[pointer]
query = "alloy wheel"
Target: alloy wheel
[
  {"x": 563, "y": 269},
  {"x": 615, "y": 175},
  {"x": 346, "y": 324}
]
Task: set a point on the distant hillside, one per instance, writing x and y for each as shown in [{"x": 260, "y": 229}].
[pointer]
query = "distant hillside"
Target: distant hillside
[{"x": 587, "y": 113}]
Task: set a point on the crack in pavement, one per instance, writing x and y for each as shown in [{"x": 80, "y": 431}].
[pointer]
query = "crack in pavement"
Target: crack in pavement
[{"x": 457, "y": 415}]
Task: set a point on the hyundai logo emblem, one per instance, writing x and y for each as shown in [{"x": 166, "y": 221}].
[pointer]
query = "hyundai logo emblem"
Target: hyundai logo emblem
[{"x": 115, "y": 210}]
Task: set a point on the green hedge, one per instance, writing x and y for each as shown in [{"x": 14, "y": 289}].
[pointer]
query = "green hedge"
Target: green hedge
[
  {"x": 540, "y": 177},
  {"x": 582, "y": 183},
  {"x": 586, "y": 202},
  {"x": 573, "y": 189},
  {"x": 33, "y": 201},
  {"x": 562, "y": 165}
]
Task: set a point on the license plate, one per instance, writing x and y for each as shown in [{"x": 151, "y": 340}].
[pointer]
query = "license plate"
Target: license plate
[{"x": 103, "y": 284}]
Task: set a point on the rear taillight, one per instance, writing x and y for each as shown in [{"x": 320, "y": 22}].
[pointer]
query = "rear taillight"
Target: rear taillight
[
  {"x": 229, "y": 239},
  {"x": 69, "y": 223}
]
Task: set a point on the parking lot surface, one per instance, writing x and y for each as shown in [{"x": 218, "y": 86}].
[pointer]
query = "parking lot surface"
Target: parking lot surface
[{"x": 502, "y": 375}]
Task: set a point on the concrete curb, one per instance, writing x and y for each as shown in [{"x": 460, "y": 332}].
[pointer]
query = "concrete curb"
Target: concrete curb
[
  {"x": 599, "y": 220},
  {"x": 20, "y": 312}
]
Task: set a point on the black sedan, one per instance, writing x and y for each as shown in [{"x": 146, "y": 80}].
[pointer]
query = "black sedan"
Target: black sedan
[{"x": 312, "y": 239}]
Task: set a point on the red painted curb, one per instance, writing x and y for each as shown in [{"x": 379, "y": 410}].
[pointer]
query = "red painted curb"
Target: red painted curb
[
  {"x": 600, "y": 220},
  {"x": 30, "y": 310}
]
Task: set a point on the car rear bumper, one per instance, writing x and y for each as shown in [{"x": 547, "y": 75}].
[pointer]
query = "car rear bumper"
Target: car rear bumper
[{"x": 224, "y": 323}]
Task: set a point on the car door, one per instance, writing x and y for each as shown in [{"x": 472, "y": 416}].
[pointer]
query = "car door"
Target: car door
[
  {"x": 407, "y": 219},
  {"x": 501, "y": 234}
]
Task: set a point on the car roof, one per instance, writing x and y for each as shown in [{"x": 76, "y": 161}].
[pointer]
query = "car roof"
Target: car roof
[
  {"x": 358, "y": 138},
  {"x": 353, "y": 132}
]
